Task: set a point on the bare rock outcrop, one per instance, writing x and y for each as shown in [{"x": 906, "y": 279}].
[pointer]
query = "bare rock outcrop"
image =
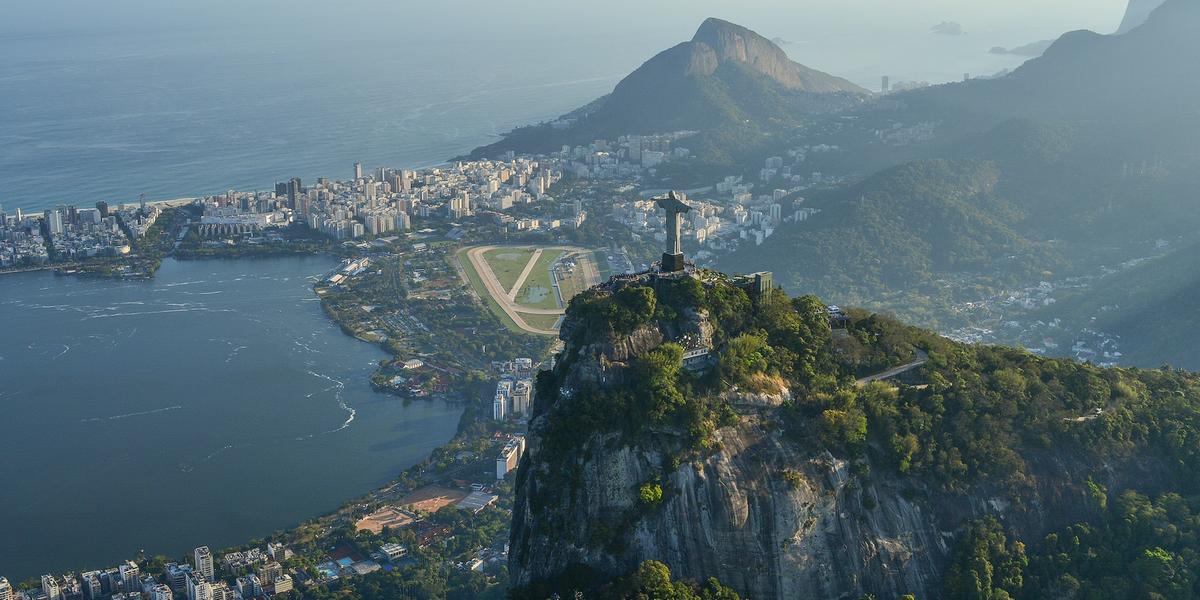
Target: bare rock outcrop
[{"x": 762, "y": 516}]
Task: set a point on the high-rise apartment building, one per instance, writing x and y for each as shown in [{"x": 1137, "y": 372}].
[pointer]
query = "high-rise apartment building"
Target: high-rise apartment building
[
  {"x": 270, "y": 571},
  {"x": 50, "y": 587},
  {"x": 54, "y": 221},
  {"x": 93, "y": 589},
  {"x": 293, "y": 191},
  {"x": 204, "y": 562},
  {"x": 131, "y": 577}
]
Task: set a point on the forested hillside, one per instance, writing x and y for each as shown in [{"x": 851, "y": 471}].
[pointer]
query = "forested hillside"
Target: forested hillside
[
  {"x": 1045, "y": 473},
  {"x": 897, "y": 236}
]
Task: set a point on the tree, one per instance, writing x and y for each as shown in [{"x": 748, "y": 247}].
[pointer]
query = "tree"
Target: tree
[
  {"x": 650, "y": 494},
  {"x": 985, "y": 565},
  {"x": 657, "y": 373},
  {"x": 843, "y": 427},
  {"x": 746, "y": 355},
  {"x": 652, "y": 581}
]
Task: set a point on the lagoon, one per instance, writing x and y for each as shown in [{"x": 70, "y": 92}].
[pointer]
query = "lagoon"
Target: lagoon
[{"x": 211, "y": 405}]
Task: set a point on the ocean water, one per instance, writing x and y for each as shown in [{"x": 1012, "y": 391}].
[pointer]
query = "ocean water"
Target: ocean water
[
  {"x": 104, "y": 114},
  {"x": 109, "y": 116},
  {"x": 212, "y": 405}
]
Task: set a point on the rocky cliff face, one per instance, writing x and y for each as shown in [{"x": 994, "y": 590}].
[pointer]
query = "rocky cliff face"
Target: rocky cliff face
[
  {"x": 724, "y": 42},
  {"x": 768, "y": 516},
  {"x": 763, "y": 517}
]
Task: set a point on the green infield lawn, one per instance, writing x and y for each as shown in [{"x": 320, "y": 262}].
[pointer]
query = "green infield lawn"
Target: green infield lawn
[
  {"x": 541, "y": 321},
  {"x": 538, "y": 291},
  {"x": 480, "y": 289},
  {"x": 507, "y": 264}
]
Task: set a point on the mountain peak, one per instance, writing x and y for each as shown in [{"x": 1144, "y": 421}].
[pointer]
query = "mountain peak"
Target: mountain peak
[
  {"x": 736, "y": 43},
  {"x": 712, "y": 28},
  {"x": 732, "y": 43},
  {"x": 726, "y": 75}
]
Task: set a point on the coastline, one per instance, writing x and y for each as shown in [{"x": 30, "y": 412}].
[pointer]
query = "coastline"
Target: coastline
[
  {"x": 473, "y": 425},
  {"x": 38, "y": 268}
]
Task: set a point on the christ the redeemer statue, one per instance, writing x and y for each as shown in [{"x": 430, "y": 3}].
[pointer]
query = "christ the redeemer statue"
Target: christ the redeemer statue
[{"x": 672, "y": 259}]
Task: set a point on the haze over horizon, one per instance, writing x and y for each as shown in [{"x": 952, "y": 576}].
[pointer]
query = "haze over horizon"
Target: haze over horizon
[
  {"x": 833, "y": 38},
  {"x": 326, "y": 87},
  {"x": 544, "y": 17}
]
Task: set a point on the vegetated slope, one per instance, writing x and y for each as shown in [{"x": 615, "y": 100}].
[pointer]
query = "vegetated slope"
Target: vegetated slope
[
  {"x": 902, "y": 230},
  {"x": 1109, "y": 184},
  {"x": 1084, "y": 75},
  {"x": 995, "y": 474},
  {"x": 1095, "y": 139},
  {"x": 725, "y": 77},
  {"x": 1024, "y": 201},
  {"x": 1151, "y": 307}
]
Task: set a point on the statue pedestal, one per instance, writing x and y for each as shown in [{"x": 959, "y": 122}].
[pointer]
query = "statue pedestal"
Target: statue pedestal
[{"x": 672, "y": 263}]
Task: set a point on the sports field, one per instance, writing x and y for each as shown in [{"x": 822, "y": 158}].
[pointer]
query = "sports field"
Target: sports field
[
  {"x": 528, "y": 287},
  {"x": 431, "y": 498}
]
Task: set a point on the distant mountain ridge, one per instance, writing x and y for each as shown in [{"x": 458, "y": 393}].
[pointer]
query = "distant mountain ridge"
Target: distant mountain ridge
[
  {"x": 1095, "y": 158},
  {"x": 1136, "y": 13},
  {"x": 1086, "y": 75},
  {"x": 725, "y": 76}
]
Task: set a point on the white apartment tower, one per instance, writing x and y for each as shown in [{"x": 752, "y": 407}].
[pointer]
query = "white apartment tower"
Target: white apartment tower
[
  {"x": 50, "y": 587},
  {"x": 500, "y": 407},
  {"x": 129, "y": 576},
  {"x": 198, "y": 588},
  {"x": 54, "y": 221},
  {"x": 204, "y": 562},
  {"x": 5, "y": 589}
]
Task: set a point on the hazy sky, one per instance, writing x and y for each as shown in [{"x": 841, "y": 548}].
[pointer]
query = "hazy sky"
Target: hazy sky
[
  {"x": 857, "y": 39},
  {"x": 617, "y": 18},
  {"x": 88, "y": 84}
]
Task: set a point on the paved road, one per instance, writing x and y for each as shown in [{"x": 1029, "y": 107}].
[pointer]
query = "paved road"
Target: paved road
[{"x": 922, "y": 358}]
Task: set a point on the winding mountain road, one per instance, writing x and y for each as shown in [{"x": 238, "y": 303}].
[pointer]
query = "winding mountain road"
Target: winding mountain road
[{"x": 922, "y": 358}]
